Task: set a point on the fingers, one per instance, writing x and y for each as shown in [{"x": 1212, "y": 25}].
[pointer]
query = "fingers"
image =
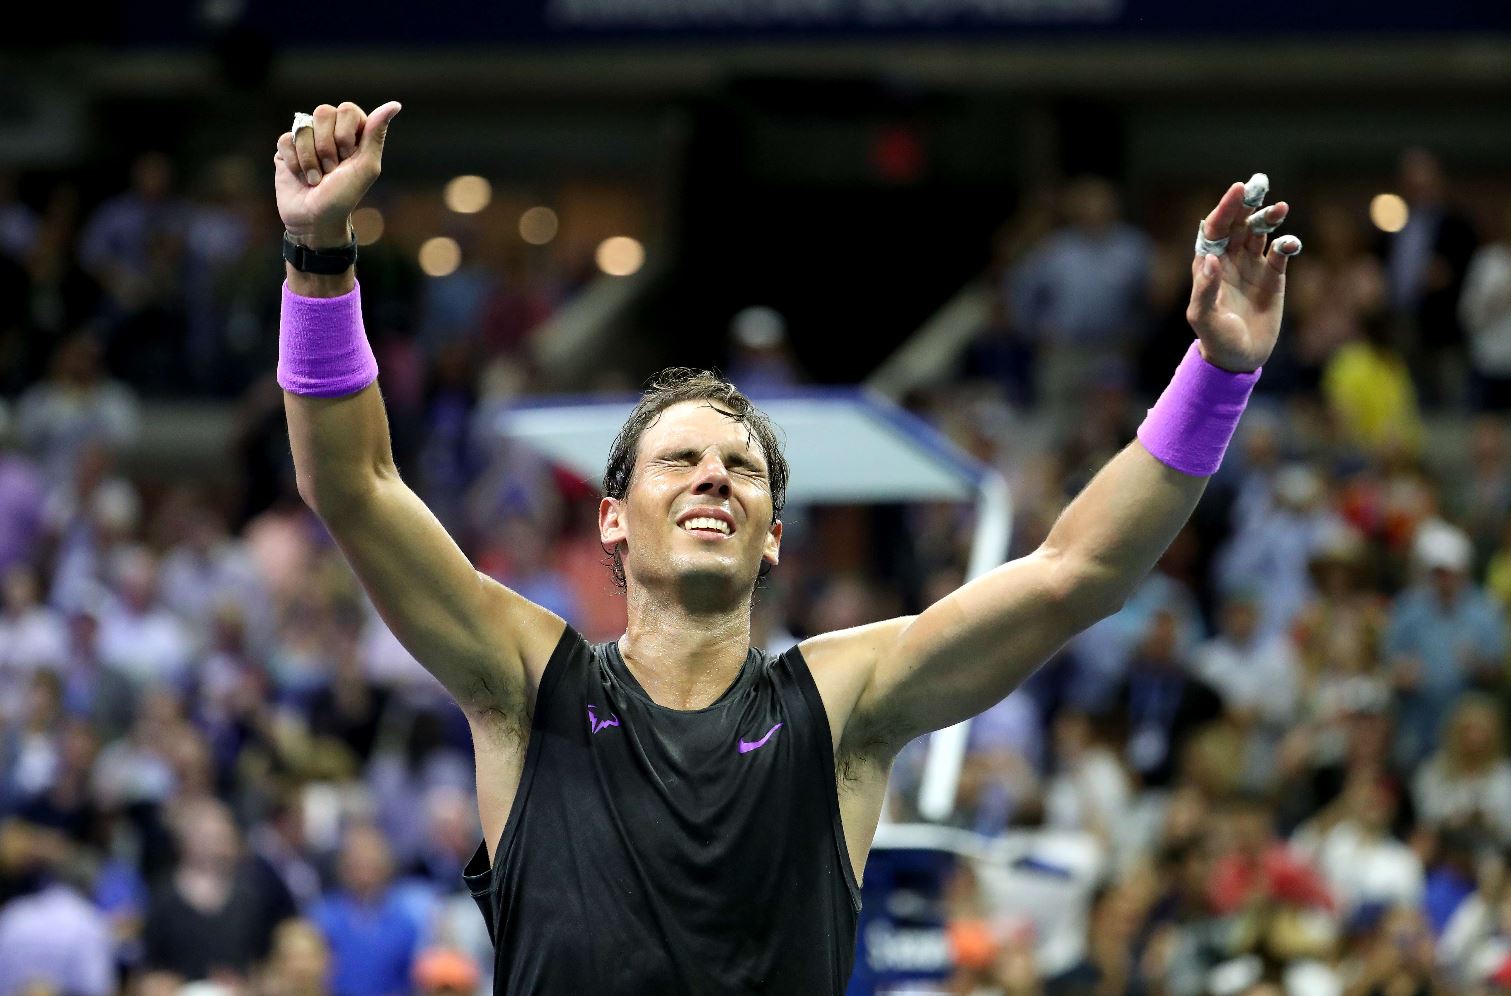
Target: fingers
[
  {"x": 304, "y": 155},
  {"x": 349, "y": 121},
  {"x": 1281, "y": 251},
  {"x": 1206, "y": 281},
  {"x": 338, "y": 134},
  {"x": 287, "y": 156},
  {"x": 325, "y": 137},
  {"x": 1263, "y": 222},
  {"x": 1266, "y": 220},
  {"x": 1256, "y": 190},
  {"x": 1228, "y": 212},
  {"x": 375, "y": 130}
]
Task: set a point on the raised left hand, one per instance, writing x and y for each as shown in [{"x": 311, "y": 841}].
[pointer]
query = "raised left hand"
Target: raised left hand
[{"x": 1237, "y": 297}]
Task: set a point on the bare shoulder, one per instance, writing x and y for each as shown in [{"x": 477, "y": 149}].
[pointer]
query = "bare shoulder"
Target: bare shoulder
[{"x": 842, "y": 664}]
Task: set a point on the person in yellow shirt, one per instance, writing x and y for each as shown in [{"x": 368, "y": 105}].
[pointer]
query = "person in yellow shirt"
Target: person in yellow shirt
[{"x": 1370, "y": 394}]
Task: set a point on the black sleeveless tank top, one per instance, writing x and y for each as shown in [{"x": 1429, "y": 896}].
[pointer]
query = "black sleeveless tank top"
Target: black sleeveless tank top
[{"x": 659, "y": 851}]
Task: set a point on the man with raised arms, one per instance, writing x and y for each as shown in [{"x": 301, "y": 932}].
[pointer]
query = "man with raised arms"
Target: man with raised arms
[{"x": 676, "y": 811}]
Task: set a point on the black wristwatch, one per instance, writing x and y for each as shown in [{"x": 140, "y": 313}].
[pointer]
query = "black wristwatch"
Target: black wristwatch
[{"x": 327, "y": 262}]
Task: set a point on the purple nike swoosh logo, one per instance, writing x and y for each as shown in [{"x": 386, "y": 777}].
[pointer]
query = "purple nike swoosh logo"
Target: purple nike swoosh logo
[
  {"x": 595, "y": 724},
  {"x": 746, "y": 747}
]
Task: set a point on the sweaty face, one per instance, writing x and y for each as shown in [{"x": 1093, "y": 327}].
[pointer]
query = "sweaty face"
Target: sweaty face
[{"x": 698, "y": 509}]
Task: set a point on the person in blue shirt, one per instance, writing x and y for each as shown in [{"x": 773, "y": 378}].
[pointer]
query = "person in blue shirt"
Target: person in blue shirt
[
  {"x": 372, "y": 936},
  {"x": 1445, "y": 636}
]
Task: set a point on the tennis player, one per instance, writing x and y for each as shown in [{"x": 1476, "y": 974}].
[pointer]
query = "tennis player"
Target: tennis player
[{"x": 676, "y": 811}]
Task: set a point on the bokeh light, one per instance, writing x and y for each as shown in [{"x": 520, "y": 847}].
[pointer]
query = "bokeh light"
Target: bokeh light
[
  {"x": 1388, "y": 212},
  {"x": 468, "y": 194},
  {"x": 620, "y": 256},
  {"x": 538, "y": 225},
  {"x": 440, "y": 256},
  {"x": 368, "y": 223}
]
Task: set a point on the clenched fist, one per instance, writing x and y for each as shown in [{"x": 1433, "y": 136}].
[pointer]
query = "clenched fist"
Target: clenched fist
[{"x": 321, "y": 174}]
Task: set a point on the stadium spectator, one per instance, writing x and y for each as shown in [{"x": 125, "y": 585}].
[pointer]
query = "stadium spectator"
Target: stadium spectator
[
  {"x": 214, "y": 914},
  {"x": 1254, "y": 675},
  {"x": 77, "y": 405},
  {"x": 32, "y": 635},
  {"x": 53, "y": 939},
  {"x": 1082, "y": 295},
  {"x": 1351, "y": 844},
  {"x": 443, "y": 972},
  {"x": 207, "y": 571},
  {"x": 1425, "y": 264},
  {"x": 1485, "y": 311},
  {"x": 372, "y": 936},
  {"x": 299, "y": 964},
  {"x": 1270, "y": 549},
  {"x": 1371, "y": 395},
  {"x": 1466, "y": 784},
  {"x": 139, "y": 636},
  {"x": 1161, "y": 704},
  {"x": 1478, "y": 494},
  {"x": 1331, "y": 300},
  {"x": 1445, "y": 636}
]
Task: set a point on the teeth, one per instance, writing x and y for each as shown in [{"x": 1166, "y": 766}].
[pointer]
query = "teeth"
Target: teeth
[{"x": 704, "y": 522}]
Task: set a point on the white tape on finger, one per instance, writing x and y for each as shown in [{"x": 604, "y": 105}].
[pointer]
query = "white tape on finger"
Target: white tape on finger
[
  {"x": 1288, "y": 245},
  {"x": 1261, "y": 222},
  {"x": 301, "y": 120},
  {"x": 1256, "y": 190},
  {"x": 1206, "y": 246}
]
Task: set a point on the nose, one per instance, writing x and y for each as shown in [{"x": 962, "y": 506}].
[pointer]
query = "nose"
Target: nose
[{"x": 713, "y": 478}]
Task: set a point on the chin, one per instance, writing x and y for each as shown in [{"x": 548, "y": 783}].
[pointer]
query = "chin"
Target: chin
[{"x": 709, "y": 573}]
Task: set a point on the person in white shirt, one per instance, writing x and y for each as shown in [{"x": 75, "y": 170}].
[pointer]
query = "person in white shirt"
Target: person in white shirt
[
  {"x": 1090, "y": 789},
  {"x": 1485, "y": 311},
  {"x": 1467, "y": 783},
  {"x": 1351, "y": 844},
  {"x": 1254, "y": 673},
  {"x": 138, "y": 637},
  {"x": 32, "y": 636}
]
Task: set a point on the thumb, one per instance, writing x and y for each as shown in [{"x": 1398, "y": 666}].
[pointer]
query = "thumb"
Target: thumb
[{"x": 376, "y": 128}]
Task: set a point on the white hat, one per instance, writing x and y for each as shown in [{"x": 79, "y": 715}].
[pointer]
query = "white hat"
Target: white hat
[{"x": 1439, "y": 544}]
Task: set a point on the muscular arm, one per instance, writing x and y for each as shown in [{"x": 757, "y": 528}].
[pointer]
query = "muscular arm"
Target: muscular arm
[
  {"x": 977, "y": 644},
  {"x": 473, "y": 634},
  {"x": 974, "y": 646}
]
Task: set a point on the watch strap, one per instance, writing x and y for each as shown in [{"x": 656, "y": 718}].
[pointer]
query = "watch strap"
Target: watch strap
[{"x": 326, "y": 262}]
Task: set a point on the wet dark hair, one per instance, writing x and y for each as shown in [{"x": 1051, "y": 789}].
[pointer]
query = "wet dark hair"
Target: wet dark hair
[{"x": 673, "y": 386}]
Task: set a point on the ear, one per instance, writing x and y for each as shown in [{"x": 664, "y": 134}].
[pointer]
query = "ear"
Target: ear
[
  {"x": 612, "y": 529},
  {"x": 772, "y": 553}
]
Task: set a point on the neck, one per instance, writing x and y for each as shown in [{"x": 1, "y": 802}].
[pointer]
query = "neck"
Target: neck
[{"x": 684, "y": 658}]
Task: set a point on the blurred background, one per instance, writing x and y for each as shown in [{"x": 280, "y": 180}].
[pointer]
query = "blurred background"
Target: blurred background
[{"x": 1281, "y": 768}]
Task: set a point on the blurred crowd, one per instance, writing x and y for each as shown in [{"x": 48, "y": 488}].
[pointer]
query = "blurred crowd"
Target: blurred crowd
[{"x": 1281, "y": 767}]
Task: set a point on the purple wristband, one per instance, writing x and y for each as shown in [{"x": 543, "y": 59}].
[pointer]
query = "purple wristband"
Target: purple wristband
[
  {"x": 323, "y": 350},
  {"x": 1190, "y": 425}
]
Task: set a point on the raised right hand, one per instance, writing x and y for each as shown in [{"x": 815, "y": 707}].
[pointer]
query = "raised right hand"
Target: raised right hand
[{"x": 321, "y": 177}]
